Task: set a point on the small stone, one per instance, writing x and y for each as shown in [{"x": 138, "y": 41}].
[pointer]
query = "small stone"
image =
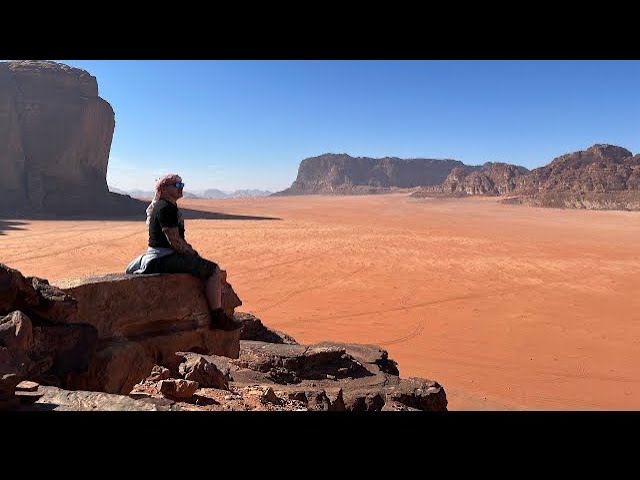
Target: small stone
[
  {"x": 270, "y": 397},
  {"x": 27, "y": 386},
  {"x": 178, "y": 388}
]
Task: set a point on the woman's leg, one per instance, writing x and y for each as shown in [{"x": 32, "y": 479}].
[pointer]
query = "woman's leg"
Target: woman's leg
[
  {"x": 213, "y": 289},
  {"x": 206, "y": 270},
  {"x": 210, "y": 273}
]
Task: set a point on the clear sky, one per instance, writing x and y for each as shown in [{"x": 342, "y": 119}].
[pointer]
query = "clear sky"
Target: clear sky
[{"x": 248, "y": 124}]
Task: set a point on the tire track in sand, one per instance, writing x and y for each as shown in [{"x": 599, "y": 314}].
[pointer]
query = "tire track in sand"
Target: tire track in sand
[
  {"x": 316, "y": 286},
  {"x": 288, "y": 262},
  {"x": 419, "y": 328},
  {"x": 79, "y": 247}
]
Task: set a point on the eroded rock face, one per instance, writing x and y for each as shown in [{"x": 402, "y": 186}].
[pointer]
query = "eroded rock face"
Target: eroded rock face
[
  {"x": 32, "y": 343},
  {"x": 55, "y": 138},
  {"x": 274, "y": 376},
  {"x": 104, "y": 333},
  {"x": 142, "y": 320},
  {"x": 490, "y": 179},
  {"x": 334, "y": 376},
  {"x": 53, "y": 398},
  {"x": 253, "y": 329},
  {"x": 600, "y": 168},
  {"x": 602, "y": 177}
]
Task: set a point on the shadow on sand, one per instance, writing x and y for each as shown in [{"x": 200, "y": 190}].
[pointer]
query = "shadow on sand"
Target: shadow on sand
[
  {"x": 198, "y": 214},
  {"x": 112, "y": 207},
  {"x": 10, "y": 225},
  {"x": 13, "y": 221}
]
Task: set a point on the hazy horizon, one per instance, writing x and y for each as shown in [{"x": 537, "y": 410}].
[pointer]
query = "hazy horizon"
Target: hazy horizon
[
  {"x": 236, "y": 125},
  {"x": 195, "y": 192}
]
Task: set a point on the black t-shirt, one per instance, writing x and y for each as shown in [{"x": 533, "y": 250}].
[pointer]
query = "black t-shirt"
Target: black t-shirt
[{"x": 164, "y": 215}]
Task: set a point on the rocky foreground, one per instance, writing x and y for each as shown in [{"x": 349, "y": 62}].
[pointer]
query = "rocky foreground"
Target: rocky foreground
[{"x": 127, "y": 342}]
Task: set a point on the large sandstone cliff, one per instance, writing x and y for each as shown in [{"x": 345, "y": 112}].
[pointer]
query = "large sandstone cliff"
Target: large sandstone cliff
[
  {"x": 55, "y": 138},
  {"x": 343, "y": 174}
]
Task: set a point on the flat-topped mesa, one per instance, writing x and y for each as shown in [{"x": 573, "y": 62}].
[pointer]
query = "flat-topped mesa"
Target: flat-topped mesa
[
  {"x": 37, "y": 76},
  {"x": 55, "y": 138},
  {"x": 343, "y": 174}
]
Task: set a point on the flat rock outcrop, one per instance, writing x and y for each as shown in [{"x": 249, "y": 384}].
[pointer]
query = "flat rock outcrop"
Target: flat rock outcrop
[
  {"x": 327, "y": 376},
  {"x": 55, "y": 138},
  {"x": 58, "y": 399},
  {"x": 363, "y": 374},
  {"x": 122, "y": 306},
  {"x": 103, "y": 333}
]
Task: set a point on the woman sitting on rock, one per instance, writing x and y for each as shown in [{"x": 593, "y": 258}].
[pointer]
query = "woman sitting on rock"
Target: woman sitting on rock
[{"x": 169, "y": 252}]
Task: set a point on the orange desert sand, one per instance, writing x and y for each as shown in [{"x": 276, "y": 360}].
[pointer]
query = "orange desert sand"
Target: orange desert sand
[{"x": 508, "y": 307}]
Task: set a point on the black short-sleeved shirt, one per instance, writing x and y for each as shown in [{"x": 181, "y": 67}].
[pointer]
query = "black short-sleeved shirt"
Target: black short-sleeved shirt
[{"x": 164, "y": 215}]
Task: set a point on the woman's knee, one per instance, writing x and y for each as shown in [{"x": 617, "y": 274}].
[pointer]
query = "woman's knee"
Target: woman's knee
[
  {"x": 217, "y": 273},
  {"x": 213, "y": 271}
]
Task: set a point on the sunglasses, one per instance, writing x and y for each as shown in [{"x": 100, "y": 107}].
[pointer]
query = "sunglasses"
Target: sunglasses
[{"x": 179, "y": 184}]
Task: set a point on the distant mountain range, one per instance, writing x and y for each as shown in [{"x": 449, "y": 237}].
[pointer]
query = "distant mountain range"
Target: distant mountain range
[
  {"x": 210, "y": 194},
  {"x": 602, "y": 177}
]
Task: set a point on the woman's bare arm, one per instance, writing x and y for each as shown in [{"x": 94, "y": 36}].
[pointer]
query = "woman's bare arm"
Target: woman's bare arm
[{"x": 177, "y": 242}]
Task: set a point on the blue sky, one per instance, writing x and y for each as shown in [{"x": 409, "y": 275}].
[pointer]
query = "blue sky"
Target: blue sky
[{"x": 248, "y": 124}]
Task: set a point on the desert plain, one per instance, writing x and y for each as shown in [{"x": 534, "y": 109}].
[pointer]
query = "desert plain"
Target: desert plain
[{"x": 508, "y": 307}]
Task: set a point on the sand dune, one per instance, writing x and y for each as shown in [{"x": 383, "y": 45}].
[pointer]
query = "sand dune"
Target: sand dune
[{"x": 508, "y": 307}]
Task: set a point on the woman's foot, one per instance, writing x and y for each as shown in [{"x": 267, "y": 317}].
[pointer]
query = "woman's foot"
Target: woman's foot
[{"x": 220, "y": 321}]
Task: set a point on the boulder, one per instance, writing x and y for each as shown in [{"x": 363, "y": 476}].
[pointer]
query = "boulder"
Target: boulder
[
  {"x": 252, "y": 329},
  {"x": 118, "y": 365},
  {"x": 123, "y": 306},
  {"x": 210, "y": 371},
  {"x": 33, "y": 296}
]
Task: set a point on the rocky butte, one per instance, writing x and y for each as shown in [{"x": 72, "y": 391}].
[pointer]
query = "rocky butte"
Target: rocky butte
[{"x": 55, "y": 138}]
